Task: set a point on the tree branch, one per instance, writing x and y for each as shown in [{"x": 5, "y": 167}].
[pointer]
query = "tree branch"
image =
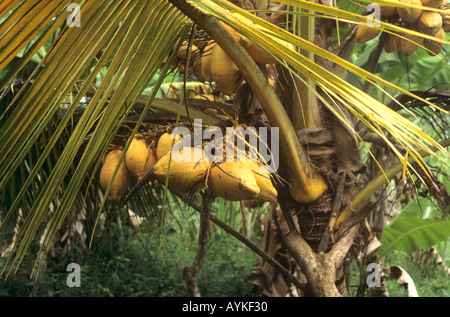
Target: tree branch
[
  {"x": 291, "y": 278},
  {"x": 375, "y": 58},
  {"x": 191, "y": 273},
  {"x": 320, "y": 271},
  {"x": 340, "y": 250}
]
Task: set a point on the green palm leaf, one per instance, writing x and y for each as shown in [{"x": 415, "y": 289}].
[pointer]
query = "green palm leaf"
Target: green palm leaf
[
  {"x": 366, "y": 108},
  {"x": 136, "y": 36},
  {"x": 379, "y": 118}
]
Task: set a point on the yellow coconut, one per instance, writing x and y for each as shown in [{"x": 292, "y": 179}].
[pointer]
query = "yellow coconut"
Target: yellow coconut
[
  {"x": 430, "y": 22},
  {"x": 387, "y": 10},
  {"x": 205, "y": 63},
  {"x": 245, "y": 42},
  {"x": 256, "y": 53},
  {"x": 183, "y": 50},
  {"x": 446, "y": 20},
  {"x": 410, "y": 14},
  {"x": 434, "y": 47},
  {"x": 197, "y": 70},
  {"x": 393, "y": 43},
  {"x": 165, "y": 144},
  {"x": 433, "y": 3},
  {"x": 233, "y": 181},
  {"x": 140, "y": 157},
  {"x": 187, "y": 171},
  {"x": 224, "y": 72},
  {"x": 267, "y": 191},
  {"x": 261, "y": 56},
  {"x": 410, "y": 43},
  {"x": 121, "y": 181},
  {"x": 365, "y": 33}
]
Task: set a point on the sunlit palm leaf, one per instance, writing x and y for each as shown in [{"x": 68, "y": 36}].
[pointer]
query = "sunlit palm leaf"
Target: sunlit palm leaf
[
  {"x": 136, "y": 37},
  {"x": 374, "y": 113},
  {"x": 25, "y": 23}
]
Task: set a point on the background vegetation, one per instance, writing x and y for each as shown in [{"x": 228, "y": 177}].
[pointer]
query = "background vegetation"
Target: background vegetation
[
  {"x": 124, "y": 261},
  {"x": 136, "y": 262}
]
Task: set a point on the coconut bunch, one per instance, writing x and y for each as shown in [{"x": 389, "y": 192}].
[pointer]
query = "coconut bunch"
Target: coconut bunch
[
  {"x": 185, "y": 173},
  {"x": 240, "y": 174},
  {"x": 212, "y": 64},
  {"x": 138, "y": 159},
  {"x": 191, "y": 170},
  {"x": 417, "y": 19},
  {"x": 186, "y": 169},
  {"x": 122, "y": 179},
  {"x": 242, "y": 181}
]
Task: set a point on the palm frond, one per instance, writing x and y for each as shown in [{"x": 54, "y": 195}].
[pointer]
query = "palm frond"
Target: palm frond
[
  {"x": 131, "y": 39},
  {"x": 363, "y": 106}
]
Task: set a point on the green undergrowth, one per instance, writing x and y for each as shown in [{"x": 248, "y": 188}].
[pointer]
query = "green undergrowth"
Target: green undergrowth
[{"x": 136, "y": 263}]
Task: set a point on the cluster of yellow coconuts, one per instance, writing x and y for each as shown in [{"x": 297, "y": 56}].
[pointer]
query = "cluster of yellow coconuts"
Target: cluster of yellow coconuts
[
  {"x": 214, "y": 65},
  {"x": 189, "y": 170},
  {"x": 417, "y": 19},
  {"x": 139, "y": 158}
]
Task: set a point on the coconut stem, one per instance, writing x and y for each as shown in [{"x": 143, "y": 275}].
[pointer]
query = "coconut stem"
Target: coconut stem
[{"x": 191, "y": 273}]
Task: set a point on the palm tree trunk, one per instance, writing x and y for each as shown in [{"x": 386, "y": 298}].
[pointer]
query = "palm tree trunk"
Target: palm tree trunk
[{"x": 320, "y": 269}]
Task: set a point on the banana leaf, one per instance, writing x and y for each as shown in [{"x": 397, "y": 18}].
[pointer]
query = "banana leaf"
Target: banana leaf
[{"x": 408, "y": 234}]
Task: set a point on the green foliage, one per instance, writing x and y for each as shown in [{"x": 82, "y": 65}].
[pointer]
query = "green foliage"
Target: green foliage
[
  {"x": 418, "y": 226},
  {"x": 132, "y": 263},
  {"x": 411, "y": 233},
  {"x": 434, "y": 284},
  {"x": 223, "y": 263},
  {"x": 423, "y": 72}
]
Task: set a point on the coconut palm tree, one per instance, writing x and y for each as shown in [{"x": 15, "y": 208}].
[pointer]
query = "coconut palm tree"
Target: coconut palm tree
[{"x": 90, "y": 93}]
